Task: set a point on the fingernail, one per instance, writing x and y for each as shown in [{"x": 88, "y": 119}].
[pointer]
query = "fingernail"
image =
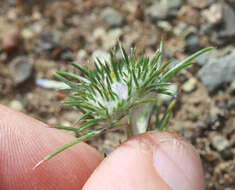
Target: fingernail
[{"x": 178, "y": 165}]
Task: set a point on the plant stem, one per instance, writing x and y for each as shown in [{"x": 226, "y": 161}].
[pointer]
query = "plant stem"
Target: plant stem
[{"x": 140, "y": 117}]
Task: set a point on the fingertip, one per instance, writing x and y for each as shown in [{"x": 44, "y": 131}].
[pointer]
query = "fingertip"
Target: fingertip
[
  {"x": 155, "y": 160},
  {"x": 25, "y": 141}
]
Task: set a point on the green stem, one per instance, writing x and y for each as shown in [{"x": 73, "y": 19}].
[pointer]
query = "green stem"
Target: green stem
[{"x": 140, "y": 116}]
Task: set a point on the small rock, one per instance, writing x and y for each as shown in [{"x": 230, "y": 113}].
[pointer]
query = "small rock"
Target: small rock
[
  {"x": 166, "y": 26},
  {"x": 225, "y": 33},
  {"x": 189, "y": 15},
  {"x": 11, "y": 39},
  {"x": 48, "y": 42},
  {"x": 163, "y": 9},
  {"x": 172, "y": 5},
  {"x": 99, "y": 33},
  {"x": 189, "y": 85},
  {"x": 16, "y": 105},
  {"x": 51, "y": 84},
  {"x": 67, "y": 56},
  {"x": 206, "y": 29},
  {"x": 183, "y": 30},
  {"x": 220, "y": 142},
  {"x": 20, "y": 69},
  {"x": 139, "y": 13},
  {"x": 27, "y": 33},
  {"x": 112, "y": 17},
  {"x": 81, "y": 56},
  {"x": 156, "y": 12},
  {"x": 202, "y": 59},
  {"x": 232, "y": 86},
  {"x": 52, "y": 121},
  {"x": 218, "y": 71},
  {"x": 192, "y": 43},
  {"x": 110, "y": 40},
  {"x": 214, "y": 15},
  {"x": 200, "y": 4},
  {"x": 103, "y": 56}
]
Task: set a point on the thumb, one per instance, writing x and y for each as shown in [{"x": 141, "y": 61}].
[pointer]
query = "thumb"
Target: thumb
[{"x": 155, "y": 160}]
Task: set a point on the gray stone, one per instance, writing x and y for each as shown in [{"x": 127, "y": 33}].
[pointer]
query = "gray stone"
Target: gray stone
[
  {"x": 220, "y": 142},
  {"x": 163, "y": 9},
  {"x": 201, "y": 4},
  {"x": 20, "y": 69},
  {"x": 205, "y": 29},
  {"x": 218, "y": 70},
  {"x": 227, "y": 31},
  {"x": 157, "y": 11},
  {"x": 192, "y": 43},
  {"x": 112, "y": 17},
  {"x": 183, "y": 30},
  {"x": 202, "y": 59},
  {"x": 172, "y": 4}
]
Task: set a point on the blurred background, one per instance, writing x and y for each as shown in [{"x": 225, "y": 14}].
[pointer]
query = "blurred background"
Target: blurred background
[{"x": 39, "y": 37}]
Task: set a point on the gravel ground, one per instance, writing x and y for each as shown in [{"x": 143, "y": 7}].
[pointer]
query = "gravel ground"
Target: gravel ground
[{"x": 38, "y": 38}]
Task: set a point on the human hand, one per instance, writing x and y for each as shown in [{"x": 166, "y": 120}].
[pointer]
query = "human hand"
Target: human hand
[{"x": 155, "y": 160}]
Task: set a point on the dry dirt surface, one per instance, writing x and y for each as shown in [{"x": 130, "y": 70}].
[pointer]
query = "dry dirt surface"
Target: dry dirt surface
[{"x": 39, "y": 38}]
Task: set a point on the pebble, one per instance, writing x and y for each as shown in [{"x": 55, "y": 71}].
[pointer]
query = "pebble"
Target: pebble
[
  {"x": 206, "y": 29},
  {"x": 47, "y": 42},
  {"x": 20, "y": 69},
  {"x": 163, "y": 9},
  {"x": 224, "y": 34},
  {"x": 200, "y": 4},
  {"x": 102, "y": 55},
  {"x": 99, "y": 33},
  {"x": 11, "y": 39},
  {"x": 192, "y": 43},
  {"x": 218, "y": 71},
  {"x": 50, "y": 84},
  {"x": 189, "y": 15},
  {"x": 220, "y": 143},
  {"x": 110, "y": 40},
  {"x": 166, "y": 26},
  {"x": 202, "y": 59},
  {"x": 52, "y": 121},
  {"x": 27, "y": 33},
  {"x": 189, "y": 85},
  {"x": 16, "y": 105},
  {"x": 214, "y": 15},
  {"x": 232, "y": 86},
  {"x": 157, "y": 12},
  {"x": 81, "y": 55},
  {"x": 112, "y": 17},
  {"x": 183, "y": 30},
  {"x": 172, "y": 4}
]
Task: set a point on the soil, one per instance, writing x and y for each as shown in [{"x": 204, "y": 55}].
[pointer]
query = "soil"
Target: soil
[{"x": 68, "y": 29}]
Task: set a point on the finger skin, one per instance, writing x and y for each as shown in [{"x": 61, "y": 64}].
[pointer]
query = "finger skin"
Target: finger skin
[
  {"x": 155, "y": 160},
  {"x": 24, "y": 141}
]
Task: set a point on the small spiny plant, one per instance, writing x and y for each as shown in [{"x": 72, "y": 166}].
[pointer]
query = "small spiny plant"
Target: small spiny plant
[{"x": 129, "y": 88}]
